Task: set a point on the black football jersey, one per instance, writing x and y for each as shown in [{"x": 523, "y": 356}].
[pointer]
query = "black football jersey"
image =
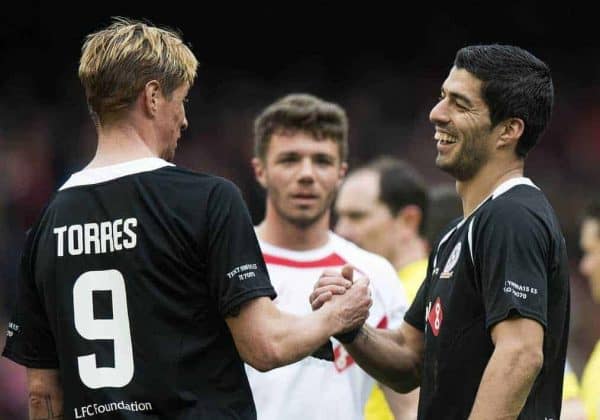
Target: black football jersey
[
  {"x": 126, "y": 281},
  {"x": 508, "y": 258}
]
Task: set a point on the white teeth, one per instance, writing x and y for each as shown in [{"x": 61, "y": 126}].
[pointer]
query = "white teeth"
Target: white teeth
[{"x": 444, "y": 138}]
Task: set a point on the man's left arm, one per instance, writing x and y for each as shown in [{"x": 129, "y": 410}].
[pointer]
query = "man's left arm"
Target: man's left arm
[
  {"x": 511, "y": 371},
  {"x": 45, "y": 394},
  {"x": 511, "y": 254}
]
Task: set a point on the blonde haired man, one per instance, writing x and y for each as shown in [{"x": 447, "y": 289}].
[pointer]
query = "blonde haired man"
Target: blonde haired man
[{"x": 142, "y": 286}]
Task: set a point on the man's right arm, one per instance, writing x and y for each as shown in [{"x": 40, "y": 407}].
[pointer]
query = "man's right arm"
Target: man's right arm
[
  {"x": 267, "y": 337},
  {"x": 393, "y": 357}
]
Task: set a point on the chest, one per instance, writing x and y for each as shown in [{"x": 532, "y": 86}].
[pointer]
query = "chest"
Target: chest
[{"x": 454, "y": 299}]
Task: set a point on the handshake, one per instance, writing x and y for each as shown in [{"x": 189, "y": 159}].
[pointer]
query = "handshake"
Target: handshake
[{"x": 347, "y": 298}]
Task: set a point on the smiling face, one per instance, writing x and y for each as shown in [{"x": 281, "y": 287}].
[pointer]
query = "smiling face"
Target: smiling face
[
  {"x": 301, "y": 175},
  {"x": 171, "y": 121},
  {"x": 462, "y": 126}
]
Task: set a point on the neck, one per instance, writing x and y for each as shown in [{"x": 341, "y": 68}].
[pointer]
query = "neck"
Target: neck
[
  {"x": 284, "y": 234},
  {"x": 478, "y": 188},
  {"x": 410, "y": 251},
  {"x": 121, "y": 142}
]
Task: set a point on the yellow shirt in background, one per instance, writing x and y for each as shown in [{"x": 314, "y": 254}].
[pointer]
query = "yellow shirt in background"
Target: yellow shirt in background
[
  {"x": 590, "y": 385},
  {"x": 570, "y": 386},
  {"x": 411, "y": 276}
]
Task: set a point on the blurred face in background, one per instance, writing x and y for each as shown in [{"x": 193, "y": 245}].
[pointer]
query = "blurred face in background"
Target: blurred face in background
[
  {"x": 590, "y": 261},
  {"x": 462, "y": 126},
  {"x": 301, "y": 175},
  {"x": 362, "y": 218}
]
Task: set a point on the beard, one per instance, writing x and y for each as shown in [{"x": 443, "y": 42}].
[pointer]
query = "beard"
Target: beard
[{"x": 469, "y": 159}]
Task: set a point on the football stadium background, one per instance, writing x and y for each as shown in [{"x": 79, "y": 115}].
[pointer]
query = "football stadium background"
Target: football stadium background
[{"x": 383, "y": 65}]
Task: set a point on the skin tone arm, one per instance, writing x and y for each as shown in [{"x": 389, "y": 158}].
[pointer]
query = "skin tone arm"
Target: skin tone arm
[
  {"x": 267, "y": 337},
  {"x": 45, "y": 394},
  {"x": 393, "y": 357},
  {"x": 512, "y": 369}
]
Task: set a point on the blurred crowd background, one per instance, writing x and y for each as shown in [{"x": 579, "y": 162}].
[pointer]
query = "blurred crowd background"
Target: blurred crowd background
[{"x": 385, "y": 67}]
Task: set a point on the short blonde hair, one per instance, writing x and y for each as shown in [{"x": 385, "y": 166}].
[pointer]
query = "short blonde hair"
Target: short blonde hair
[{"x": 118, "y": 61}]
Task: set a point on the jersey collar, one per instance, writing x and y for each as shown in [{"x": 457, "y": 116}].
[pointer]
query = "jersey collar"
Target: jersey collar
[
  {"x": 110, "y": 172},
  {"x": 500, "y": 189}
]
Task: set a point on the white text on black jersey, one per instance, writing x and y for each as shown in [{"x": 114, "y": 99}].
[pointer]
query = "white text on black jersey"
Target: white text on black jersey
[{"x": 96, "y": 238}]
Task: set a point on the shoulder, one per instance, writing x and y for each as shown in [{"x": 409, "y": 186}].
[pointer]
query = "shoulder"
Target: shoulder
[
  {"x": 203, "y": 179},
  {"x": 520, "y": 206},
  {"x": 196, "y": 188}
]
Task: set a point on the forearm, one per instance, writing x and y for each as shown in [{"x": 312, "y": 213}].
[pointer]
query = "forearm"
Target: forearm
[
  {"x": 45, "y": 395},
  {"x": 267, "y": 337},
  {"x": 295, "y": 337},
  {"x": 506, "y": 383},
  {"x": 387, "y": 356}
]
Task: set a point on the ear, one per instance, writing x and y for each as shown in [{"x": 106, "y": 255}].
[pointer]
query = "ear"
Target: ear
[
  {"x": 259, "y": 171},
  {"x": 511, "y": 131},
  {"x": 342, "y": 173},
  {"x": 410, "y": 216},
  {"x": 151, "y": 96}
]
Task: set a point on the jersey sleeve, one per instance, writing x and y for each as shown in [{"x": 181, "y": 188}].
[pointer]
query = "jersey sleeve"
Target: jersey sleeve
[
  {"x": 29, "y": 340},
  {"x": 511, "y": 249},
  {"x": 236, "y": 269}
]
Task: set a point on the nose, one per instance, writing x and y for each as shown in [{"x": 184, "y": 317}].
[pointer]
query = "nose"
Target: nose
[
  {"x": 184, "y": 124},
  {"x": 439, "y": 113},
  {"x": 306, "y": 173}
]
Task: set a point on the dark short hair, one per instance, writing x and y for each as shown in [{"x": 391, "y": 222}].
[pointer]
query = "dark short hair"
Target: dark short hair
[
  {"x": 400, "y": 185},
  {"x": 516, "y": 84},
  {"x": 301, "y": 113},
  {"x": 445, "y": 206}
]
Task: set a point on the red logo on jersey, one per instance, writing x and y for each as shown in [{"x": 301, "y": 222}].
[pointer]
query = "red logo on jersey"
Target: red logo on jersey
[{"x": 436, "y": 316}]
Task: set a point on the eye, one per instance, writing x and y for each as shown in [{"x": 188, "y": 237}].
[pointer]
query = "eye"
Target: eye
[
  {"x": 461, "y": 107},
  {"x": 323, "y": 160},
  {"x": 287, "y": 159},
  {"x": 356, "y": 216}
]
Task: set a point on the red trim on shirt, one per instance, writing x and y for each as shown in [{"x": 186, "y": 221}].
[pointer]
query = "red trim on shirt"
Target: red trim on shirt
[
  {"x": 332, "y": 260},
  {"x": 383, "y": 323}
]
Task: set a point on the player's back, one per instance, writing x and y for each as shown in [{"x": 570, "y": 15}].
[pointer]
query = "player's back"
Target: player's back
[{"x": 124, "y": 262}]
